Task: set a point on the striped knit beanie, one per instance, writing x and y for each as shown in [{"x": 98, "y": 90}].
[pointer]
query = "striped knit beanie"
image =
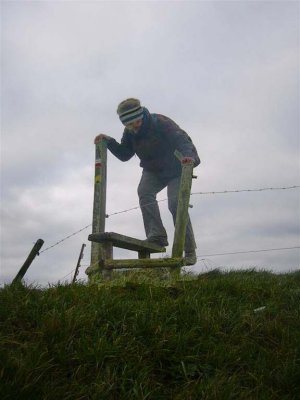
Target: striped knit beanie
[{"x": 130, "y": 110}]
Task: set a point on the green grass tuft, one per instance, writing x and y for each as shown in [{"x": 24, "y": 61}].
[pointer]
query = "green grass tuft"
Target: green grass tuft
[{"x": 141, "y": 336}]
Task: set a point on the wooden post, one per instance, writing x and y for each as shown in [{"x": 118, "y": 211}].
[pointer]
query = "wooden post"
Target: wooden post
[
  {"x": 78, "y": 263},
  {"x": 35, "y": 250},
  {"x": 182, "y": 211},
  {"x": 99, "y": 208},
  {"x": 107, "y": 254}
]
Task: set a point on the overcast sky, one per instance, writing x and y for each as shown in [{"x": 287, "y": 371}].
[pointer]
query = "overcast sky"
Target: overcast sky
[{"x": 226, "y": 71}]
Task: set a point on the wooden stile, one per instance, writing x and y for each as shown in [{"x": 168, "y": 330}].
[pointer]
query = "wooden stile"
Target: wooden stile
[{"x": 103, "y": 242}]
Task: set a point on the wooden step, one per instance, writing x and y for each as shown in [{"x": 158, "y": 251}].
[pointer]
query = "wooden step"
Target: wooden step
[
  {"x": 126, "y": 242},
  {"x": 144, "y": 263},
  {"x": 109, "y": 264}
]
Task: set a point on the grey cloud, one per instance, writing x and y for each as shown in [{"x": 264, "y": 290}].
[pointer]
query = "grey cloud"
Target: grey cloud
[{"x": 226, "y": 72}]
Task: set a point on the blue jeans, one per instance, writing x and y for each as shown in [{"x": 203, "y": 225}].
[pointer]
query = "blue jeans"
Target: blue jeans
[{"x": 150, "y": 184}]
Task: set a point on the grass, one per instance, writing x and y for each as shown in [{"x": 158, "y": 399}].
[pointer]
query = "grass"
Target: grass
[{"x": 144, "y": 337}]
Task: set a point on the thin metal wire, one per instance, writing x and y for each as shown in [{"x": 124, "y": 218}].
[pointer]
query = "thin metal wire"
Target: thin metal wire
[
  {"x": 67, "y": 275},
  {"x": 159, "y": 201},
  {"x": 134, "y": 208},
  {"x": 248, "y": 251},
  {"x": 207, "y": 193},
  {"x": 249, "y": 190},
  {"x": 201, "y": 258},
  {"x": 67, "y": 237}
]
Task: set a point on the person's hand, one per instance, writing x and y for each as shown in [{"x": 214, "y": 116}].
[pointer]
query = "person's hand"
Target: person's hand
[
  {"x": 100, "y": 137},
  {"x": 187, "y": 161}
]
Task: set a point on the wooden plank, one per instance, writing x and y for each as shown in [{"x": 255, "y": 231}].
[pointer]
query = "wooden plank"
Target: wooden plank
[
  {"x": 126, "y": 242},
  {"x": 182, "y": 210},
  {"x": 108, "y": 265},
  {"x": 144, "y": 263},
  {"x": 99, "y": 206}
]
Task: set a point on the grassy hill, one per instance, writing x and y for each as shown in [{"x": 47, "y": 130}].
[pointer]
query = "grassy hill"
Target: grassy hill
[{"x": 232, "y": 335}]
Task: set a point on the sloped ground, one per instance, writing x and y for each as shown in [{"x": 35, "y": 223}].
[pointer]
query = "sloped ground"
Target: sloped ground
[{"x": 219, "y": 336}]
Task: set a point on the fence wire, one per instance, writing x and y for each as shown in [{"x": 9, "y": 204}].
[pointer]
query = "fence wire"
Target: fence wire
[
  {"x": 249, "y": 251},
  {"x": 204, "y": 260},
  {"x": 165, "y": 199}
]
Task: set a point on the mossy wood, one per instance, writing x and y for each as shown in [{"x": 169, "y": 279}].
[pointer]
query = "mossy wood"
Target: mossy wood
[
  {"x": 182, "y": 210},
  {"x": 99, "y": 208},
  {"x": 103, "y": 242},
  {"x": 34, "y": 252},
  {"x": 126, "y": 242},
  {"x": 110, "y": 264}
]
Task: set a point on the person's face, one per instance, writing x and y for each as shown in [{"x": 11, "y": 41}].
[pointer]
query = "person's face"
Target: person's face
[{"x": 135, "y": 125}]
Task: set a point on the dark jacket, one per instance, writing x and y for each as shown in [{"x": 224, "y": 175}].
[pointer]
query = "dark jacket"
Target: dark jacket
[{"x": 155, "y": 144}]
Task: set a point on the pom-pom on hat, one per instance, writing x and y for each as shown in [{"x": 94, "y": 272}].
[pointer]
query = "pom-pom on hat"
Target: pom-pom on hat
[{"x": 130, "y": 110}]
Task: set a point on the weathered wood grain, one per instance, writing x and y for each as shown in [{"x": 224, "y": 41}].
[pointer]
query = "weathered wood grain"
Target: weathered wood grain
[
  {"x": 182, "y": 210},
  {"x": 144, "y": 263},
  {"x": 126, "y": 242},
  {"x": 99, "y": 207},
  {"x": 34, "y": 252}
]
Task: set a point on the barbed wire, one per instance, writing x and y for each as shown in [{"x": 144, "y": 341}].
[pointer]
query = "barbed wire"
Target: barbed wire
[
  {"x": 248, "y": 251},
  {"x": 249, "y": 190},
  {"x": 206, "y": 193},
  {"x": 203, "y": 259},
  {"x": 161, "y": 200},
  {"x": 67, "y": 275},
  {"x": 67, "y": 237}
]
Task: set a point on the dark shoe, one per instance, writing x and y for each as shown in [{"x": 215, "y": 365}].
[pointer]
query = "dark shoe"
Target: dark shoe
[
  {"x": 190, "y": 258},
  {"x": 162, "y": 242}
]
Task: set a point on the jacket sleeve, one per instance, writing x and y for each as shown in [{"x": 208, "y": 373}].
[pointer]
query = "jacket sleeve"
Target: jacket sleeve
[
  {"x": 176, "y": 136},
  {"x": 124, "y": 150}
]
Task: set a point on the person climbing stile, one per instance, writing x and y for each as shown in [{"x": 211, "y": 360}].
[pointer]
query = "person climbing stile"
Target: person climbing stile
[{"x": 154, "y": 138}]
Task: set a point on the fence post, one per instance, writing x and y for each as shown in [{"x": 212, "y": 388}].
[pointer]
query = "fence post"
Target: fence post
[
  {"x": 182, "y": 211},
  {"x": 78, "y": 263},
  {"x": 35, "y": 250},
  {"x": 99, "y": 207}
]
